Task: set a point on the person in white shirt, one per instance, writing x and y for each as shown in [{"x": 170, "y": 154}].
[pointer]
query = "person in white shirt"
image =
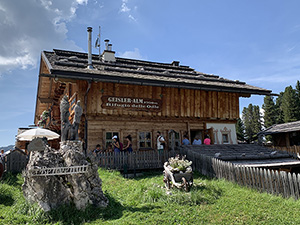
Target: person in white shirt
[{"x": 160, "y": 142}]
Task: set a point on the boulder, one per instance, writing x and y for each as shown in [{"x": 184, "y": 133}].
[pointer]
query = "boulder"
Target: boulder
[{"x": 72, "y": 186}]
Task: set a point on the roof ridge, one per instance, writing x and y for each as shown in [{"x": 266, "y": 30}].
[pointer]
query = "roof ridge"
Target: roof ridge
[{"x": 73, "y": 64}]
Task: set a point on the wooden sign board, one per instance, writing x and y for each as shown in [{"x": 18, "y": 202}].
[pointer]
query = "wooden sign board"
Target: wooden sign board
[{"x": 130, "y": 103}]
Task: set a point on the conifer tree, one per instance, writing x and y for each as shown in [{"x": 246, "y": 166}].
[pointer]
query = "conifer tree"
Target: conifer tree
[
  {"x": 279, "y": 110},
  {"x": 257, "y": 119},
  {"x": 289, "y": 105},
  {"x": 297, "y": 89},
  {"x": 269, "y": 111},
  {"x": 240, "y": 133},
  {"x": 252, "y": 122}
]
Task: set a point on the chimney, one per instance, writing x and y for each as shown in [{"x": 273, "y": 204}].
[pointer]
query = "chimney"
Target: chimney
[
  {"x": 106, "y": 44},
  {"x": 90, "y": 64},
  {"x": 108, "y": 54},
  {"x": 175, "y": 63},
  {"x": 109, "y": 47}
]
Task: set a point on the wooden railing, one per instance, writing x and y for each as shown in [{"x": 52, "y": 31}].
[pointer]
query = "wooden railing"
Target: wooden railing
[
  {"x": 274, "y": 182},
  {"x": 292, "y": 149},
  {"x": 15, "y": 162},
  {"x": 134, "y": 160}
]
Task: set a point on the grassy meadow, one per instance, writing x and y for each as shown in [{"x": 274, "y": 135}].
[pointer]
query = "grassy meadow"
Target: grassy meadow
[{"x": 144, "y": 200}]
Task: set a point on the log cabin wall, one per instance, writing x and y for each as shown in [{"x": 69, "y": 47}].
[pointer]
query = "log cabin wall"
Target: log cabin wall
[
  {"x": 98, "y": 129},
  {"x": 180, "y": 110},
  {"x": 176, "y": 102}
]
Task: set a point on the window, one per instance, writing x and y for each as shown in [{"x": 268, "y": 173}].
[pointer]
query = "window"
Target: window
[
  {"x": 145, "y": 139},
  {"x": 176, "y": 138},
  {"x": 225, "y": 138},
  {"x": 108, "y": 138}
]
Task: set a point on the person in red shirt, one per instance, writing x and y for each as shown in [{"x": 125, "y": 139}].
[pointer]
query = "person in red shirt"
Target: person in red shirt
[{"x": 206, "y": 140}]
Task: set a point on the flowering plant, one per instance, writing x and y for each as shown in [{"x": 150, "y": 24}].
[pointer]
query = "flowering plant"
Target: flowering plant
[
  {"x": 177, "y": 164},
  {"x": 43, "y": 118}
]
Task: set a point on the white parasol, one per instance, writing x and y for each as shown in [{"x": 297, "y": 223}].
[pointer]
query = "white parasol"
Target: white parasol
[{"x": 37, "y": 132}]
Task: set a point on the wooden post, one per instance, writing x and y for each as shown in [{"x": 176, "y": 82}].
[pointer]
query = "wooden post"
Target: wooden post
[
  {"x": 137, "y": 140},
  {"x": 189, "y": 131},
  {"x": 287, "y": 140}
]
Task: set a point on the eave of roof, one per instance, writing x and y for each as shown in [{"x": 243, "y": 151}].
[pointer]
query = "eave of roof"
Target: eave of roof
[
  {"x": 282, "y": 128},
  {"x": 73, "y": 65}
]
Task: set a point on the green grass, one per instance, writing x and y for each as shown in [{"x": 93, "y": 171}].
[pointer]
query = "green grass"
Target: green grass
[{"x": 145, "y": 201}]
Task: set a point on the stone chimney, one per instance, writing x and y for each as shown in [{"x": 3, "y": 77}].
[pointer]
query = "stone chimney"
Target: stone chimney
[{"x": 108, "y": 55}]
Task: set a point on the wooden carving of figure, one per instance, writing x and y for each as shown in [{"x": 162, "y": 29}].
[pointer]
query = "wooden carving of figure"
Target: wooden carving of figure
[
  {"x": 64, "y": 117},
  {"x": 76, "y": 121},
  {"x": 172, "y": 132}
]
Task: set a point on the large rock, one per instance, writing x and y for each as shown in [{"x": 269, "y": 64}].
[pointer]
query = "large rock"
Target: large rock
[{"x": 52, "y": 191}]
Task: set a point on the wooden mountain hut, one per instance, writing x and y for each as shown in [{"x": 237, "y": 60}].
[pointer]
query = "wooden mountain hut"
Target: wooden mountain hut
[
  {"x": 123, "y": 96},
  {"x": 284, "y": 135}
]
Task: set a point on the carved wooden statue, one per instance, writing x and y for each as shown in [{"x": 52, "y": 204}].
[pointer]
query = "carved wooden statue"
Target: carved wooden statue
[
  {"x": 69, "y": 131},
  {"x": 76, "y": 121},
  {"x": 64, "y": 117}
]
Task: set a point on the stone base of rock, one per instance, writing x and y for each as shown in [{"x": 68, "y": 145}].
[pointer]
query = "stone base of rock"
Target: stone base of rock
[{"x": 74, "y": 185}]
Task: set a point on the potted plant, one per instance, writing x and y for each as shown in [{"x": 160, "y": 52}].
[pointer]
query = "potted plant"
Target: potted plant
[{"x": 178, "y": 172}]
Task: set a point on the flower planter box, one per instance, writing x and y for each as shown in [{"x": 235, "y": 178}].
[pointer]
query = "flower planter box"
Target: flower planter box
[{"x": 179, "y": 180}]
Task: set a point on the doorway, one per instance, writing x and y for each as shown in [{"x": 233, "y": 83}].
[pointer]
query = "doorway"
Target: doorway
[
  {"x": 201, "y": 135},
  {"x": 196, "y": 133}
]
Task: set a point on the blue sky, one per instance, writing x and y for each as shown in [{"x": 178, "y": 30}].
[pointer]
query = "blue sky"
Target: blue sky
[{"x": 255, "y": 41}]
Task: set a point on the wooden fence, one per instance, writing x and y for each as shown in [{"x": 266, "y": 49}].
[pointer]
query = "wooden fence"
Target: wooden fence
[
  {"x": 15, "y": 162},
  {"x": 264, "y": 180},
  {"x": 291, "y": 149},
  {"x": 134, "y": 160}
]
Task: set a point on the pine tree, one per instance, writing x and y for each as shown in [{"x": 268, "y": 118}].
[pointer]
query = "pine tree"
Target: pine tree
[
  {"x": 252, "y": 122},
  {"x": 279, "y": 110},
  {"x": 297, "y": 89},
  {"x": 256, "y": 119},
  {"x": 289, "y": 105},
  {"x": 269, "y": 111},
  {"x": 240, "y": 133}
]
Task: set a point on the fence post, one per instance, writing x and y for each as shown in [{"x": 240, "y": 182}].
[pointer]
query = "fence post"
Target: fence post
[
  {"x": 262, "y": 180},
  {"x": 279, "y": 185},
  {"x": 298, "y": 183},
  {"x": 284, "y": 184},
  {"x": 291, "y": 185},
  {"x": 249, "y": 177},
  {"x": 252, "y": 177},
  {"x": 296, "y": 186},
  {"x": 238, "y": 170},
  {"x": 273, "y": 182},
  {"x": 267, "y": 181},
  {"x": 270, "y": 182}
]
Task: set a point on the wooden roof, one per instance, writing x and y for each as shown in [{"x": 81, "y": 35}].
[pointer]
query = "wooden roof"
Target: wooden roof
[
  {"x": 73, "y": 66},
  {"x": 237, "y": 152},
  {"x": 250, "y": 155},
  {"x": 282, "y": 162},
  {"x": 282, "y": 128}
]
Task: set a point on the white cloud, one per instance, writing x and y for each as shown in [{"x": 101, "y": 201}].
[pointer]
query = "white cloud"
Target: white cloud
[
  {"x": 82, "y": 2},
  {"x": 132, "y": 54},
  {"x": 132, "y": 18},
  {"x": 124, "y": 7},
  {"x": 127, "y": 10},
  {"x": 24, "y": 36}
]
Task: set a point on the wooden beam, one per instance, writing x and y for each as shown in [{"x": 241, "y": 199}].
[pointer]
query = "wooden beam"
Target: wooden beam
[
  {"x": 245, "y": 95},
  {"x": 45, "y": 100}
]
